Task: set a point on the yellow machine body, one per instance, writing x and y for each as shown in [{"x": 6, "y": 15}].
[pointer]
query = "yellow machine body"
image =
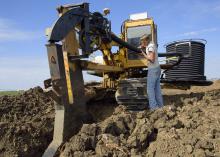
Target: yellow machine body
[{"x": 125, "y": 58}]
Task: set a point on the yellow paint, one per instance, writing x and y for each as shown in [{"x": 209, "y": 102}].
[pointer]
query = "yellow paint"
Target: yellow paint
[
  {"x": 141, "y": 22},
  {"x": 87, "y": 65},
  {"x": 70, "y": 46},
  {"x": 136, "y": 63},
  {"x": 67, "y": 72}
]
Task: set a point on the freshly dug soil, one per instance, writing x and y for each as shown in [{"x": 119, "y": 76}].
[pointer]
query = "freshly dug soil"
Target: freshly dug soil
[
  {"x": 26, "y": 123},
  {"x": 192, "y": 128},
  {"x": 188, "y": 125}
]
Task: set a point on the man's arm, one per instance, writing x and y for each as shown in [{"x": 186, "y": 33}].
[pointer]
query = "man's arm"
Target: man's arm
[
  {"x": 150, "y": 55},
  {"x": 144, "y": 54}
]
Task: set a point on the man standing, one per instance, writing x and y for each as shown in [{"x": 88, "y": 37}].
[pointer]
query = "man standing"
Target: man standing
[{"x": 153, "y": 77}]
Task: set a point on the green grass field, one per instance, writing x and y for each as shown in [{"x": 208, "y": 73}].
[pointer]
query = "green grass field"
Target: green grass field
[{"x": 10, "y": 93}]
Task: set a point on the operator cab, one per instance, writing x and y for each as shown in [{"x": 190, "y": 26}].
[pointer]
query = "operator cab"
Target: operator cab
[
  {"x": 133, "y": 38},
  {"x": 134, "y": 29}
]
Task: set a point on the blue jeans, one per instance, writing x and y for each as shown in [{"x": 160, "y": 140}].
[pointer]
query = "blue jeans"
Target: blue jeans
[{"x": 153, "y": 88}]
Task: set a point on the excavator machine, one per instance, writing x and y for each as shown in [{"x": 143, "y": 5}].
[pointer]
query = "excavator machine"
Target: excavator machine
[{"x": 76, "y": 35}]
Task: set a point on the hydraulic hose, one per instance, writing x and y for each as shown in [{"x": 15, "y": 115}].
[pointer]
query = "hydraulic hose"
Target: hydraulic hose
[
  {"x": 124, "y": 44},
  {"x": 135, "y": 49}
]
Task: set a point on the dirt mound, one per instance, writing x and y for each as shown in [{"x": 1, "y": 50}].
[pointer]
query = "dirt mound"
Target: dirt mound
[
  {"x": 187, "y": 126},
  {"x": 27, "y": 120},
  {"x": 26, "y": 123}
]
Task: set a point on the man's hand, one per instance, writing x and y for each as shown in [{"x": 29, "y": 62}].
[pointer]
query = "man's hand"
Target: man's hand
[
  {"x": 150, "y": 56},
  {"x": 144, "y": 54}
]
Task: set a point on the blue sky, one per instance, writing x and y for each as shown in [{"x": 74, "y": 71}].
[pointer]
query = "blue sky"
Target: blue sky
[{"x": 23, "y": 58}]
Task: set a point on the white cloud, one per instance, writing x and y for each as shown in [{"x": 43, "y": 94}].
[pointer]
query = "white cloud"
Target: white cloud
[
  {"x": 9, "y": 32},
  {"x": 199, "y": 32}
]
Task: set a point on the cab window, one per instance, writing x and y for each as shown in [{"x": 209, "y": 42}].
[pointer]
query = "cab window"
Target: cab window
[{"x": 133, "y": 38}]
